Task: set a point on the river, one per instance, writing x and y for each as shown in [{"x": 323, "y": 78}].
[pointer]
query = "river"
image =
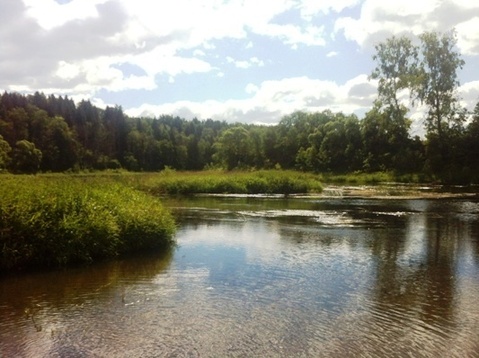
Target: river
[{"x": 270, "y": 277}]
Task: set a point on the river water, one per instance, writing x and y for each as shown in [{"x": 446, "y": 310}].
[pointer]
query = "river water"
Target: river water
[{"x": 268, "y": 277}]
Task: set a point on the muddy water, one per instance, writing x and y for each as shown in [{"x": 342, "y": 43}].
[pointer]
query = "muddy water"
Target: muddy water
[{"x": 270, "y": 277}]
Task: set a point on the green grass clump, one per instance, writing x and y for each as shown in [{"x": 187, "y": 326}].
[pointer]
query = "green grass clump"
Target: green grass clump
[
  {"x": 222, "y": 182},
  {"x": 55, "y": 221},
  {"x": 359, "y": 178}
]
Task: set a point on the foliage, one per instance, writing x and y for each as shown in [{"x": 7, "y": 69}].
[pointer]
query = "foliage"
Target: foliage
[
  {"x": 234, "y": 148},
  {"x": 397, "y": 70},
  {"x": 5, "y": 150},
  {"x": 26, "y": 158},
  {"x": 429, "y": 73},
  {"x": 62, "y": 220},
  {"x": 437, "y": 83},
  {"x": 374, "y": 178},
  {"x": 81, "y": 137}
]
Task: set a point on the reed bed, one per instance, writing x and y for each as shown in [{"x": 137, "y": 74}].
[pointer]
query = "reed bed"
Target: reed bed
[
  {"x": 359, "y": 178},
  {"x": 58, "y": 219},
  {"x": 170, "y": 182}
]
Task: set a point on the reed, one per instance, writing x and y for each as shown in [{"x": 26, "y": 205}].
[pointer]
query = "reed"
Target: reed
[
  {"x": 361, "y": 178},
  {"x": 60, "y": 220},
  {"x": 234, "y": 182}
]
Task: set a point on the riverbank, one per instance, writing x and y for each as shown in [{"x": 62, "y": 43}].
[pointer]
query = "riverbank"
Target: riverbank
[
  {"x": 170, "y": 182},
  {"x": 56, "y": 221}
]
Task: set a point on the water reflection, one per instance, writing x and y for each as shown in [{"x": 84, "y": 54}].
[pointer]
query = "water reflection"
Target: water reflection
[
  {"x": 269, "y": 277},
  {"x": 38, "y": 309}
]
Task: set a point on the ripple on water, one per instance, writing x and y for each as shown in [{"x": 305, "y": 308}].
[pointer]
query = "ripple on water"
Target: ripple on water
[
  {"x": 325, "y": 218},
  {"x": 302, "y": 283}
]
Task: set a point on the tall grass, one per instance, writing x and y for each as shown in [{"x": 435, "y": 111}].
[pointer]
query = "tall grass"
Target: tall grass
[
  {"x": 221, "y": 182},
  {"x": 359, "y": 178},
  {"x": 51, "y": 221}
]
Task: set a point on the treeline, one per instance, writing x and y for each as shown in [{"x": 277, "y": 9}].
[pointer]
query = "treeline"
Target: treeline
[
  {"x": 53, "y": 134},
  {"x": 40, "y": 133}
]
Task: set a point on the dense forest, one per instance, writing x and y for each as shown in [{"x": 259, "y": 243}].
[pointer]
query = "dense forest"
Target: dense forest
[{"x": 55, "y": 134}]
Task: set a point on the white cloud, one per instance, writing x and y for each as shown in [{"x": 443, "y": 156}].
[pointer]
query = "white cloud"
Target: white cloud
[
  {"x": 251, "y": 88},
  {"x": 49, "y": 14},
  {"x": 294, "y": 35},
  {"x": 67, "y": 71},
  {"x": 310, "y": 8},
  {"x": 468, "y": 36},
  {"x": 245, "y": 64},
  {"x": 380, "y": 19},
  {"x": 66, "y": 39},
  {"x": 79, "y": 49},
  {"x": 469, "y": 94},
  {"x": 273, "y": 99}
]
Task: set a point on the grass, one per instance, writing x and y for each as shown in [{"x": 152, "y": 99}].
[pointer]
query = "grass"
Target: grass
[
  {"x": 359, "y": 178},
  {"x": 60, "y": 220},
  {"x": 170, "y": 182}
]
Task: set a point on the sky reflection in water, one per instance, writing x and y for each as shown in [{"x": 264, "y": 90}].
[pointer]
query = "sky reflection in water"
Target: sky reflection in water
[{"x": 270, "y": 277}]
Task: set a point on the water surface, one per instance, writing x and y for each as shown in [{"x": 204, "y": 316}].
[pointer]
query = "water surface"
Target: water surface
[{"x": 272, "y": 277}]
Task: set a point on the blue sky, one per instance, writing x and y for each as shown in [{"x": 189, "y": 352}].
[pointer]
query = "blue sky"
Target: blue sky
[{"x": 249, "y": 61}]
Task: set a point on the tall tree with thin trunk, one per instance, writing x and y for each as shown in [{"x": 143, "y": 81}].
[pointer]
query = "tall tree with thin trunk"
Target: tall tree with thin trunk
[
  {"x": 437, "y": 84},
  {"x": 397, "y": 68}
]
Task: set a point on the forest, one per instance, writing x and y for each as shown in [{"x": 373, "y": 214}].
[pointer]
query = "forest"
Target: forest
[{"x": 48, "y": 133}]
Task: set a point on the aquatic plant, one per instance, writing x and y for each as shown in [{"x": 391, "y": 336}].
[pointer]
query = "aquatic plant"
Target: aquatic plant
[
  {"x": 361, "y": 178},
  {"x": 232, "y": 182},
  {"x": 59, "y": 220}
]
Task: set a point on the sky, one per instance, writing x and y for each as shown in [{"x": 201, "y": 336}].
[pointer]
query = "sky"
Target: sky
[{"x": 249, "y": 61}]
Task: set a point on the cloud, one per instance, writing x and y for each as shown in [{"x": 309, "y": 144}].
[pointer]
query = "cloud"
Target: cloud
[
  {"x": 40, "y": 59},
  {"x": 253, "y": 61},
  {"x": 468, "y": 36},
  {"x": 380, "y": 19},
  {"x": 271, "y": 100},
  {"x": 469, "y": 94},
  {"x": 50, "y": 14},
  {"x": 294, "y": 35},
  {"x": 74, "y": 46},
  {"x": 86, "y": 48},
  {"x": 311, "y": 8}
]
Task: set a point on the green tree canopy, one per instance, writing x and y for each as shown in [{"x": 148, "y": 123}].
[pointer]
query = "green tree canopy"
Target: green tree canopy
[
  {"x": 234, "y": 147},
  {"x": 26, "y": 157},
  {"x": 5, "y": 150}
]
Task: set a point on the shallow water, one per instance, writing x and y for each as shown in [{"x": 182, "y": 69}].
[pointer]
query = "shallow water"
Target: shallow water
[{"x": 268, "y": 276}]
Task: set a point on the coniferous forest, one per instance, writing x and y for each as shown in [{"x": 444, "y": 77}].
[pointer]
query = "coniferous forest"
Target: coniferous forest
[{"x": 40, "y": 133}]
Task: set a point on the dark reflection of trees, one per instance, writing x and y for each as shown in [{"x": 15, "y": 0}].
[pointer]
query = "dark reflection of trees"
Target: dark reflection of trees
[
  {"x": 423, "y": 285},
  {"x": 475, "y": 241},
  {"x": 439, "y": 267},
  {"x": 386, "y": 246},
  {"x": 29, "y": 302},
  {"x": 25, "y": 294}
]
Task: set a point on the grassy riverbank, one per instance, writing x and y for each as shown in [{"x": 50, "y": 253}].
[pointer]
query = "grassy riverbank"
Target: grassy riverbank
[
  {"x": 60, "y": 220},
  {"x": 360, "y": 178},
  {"x": 171, "y": 182}
]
